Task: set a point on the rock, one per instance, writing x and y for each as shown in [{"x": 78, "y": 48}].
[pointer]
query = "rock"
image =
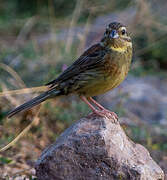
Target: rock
[
  {"x": 95, "y": 148},
  {"x": 145, "y": 97}
]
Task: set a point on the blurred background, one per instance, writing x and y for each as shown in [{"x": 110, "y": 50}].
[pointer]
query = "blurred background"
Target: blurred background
[{"x": 40, "y": 38}]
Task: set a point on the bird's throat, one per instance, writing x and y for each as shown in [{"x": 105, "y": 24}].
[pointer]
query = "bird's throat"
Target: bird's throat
[{"x": 121, "y": 48}]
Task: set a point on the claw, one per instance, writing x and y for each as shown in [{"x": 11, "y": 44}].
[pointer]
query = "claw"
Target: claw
[{"x": 108, "y": 114}]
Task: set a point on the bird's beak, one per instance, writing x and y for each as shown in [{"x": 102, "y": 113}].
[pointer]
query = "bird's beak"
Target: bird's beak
[{"x": 114, "y": 34}]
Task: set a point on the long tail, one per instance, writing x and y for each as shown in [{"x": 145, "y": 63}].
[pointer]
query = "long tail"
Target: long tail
[{"x": 35, "y": 101}]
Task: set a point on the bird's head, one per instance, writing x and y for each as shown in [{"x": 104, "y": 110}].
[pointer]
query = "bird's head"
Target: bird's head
[{"x": 116, "y": 37}]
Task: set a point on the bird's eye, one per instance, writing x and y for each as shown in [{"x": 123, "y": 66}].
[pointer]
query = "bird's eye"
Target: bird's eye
[{"x": 123, "y": 31}]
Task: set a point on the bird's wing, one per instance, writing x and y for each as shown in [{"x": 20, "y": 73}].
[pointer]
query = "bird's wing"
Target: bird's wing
[{"x": 89, "y": 59}]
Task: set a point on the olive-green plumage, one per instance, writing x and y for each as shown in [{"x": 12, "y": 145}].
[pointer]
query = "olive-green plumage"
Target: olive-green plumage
[{"x": 99, "y": 69}]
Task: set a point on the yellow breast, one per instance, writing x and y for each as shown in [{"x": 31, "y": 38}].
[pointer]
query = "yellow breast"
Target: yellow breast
[{"x": 114, "y": 70}]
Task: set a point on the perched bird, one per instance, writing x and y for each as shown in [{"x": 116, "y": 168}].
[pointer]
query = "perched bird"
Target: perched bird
[{"x": 99, "y": 69}]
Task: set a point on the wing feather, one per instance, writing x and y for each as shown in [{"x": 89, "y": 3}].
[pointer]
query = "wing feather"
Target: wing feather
[{"x": 88, "y": 60}]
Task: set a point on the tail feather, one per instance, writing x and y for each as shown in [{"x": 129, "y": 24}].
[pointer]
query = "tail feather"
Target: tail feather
[{"x": 33, "y": 102}]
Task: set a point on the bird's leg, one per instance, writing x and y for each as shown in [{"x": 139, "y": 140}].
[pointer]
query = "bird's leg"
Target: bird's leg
[
  {"x": 96, "y": 103},
  {"x": 102, "y": 108},
  {"x": 103, "y": 112},
  {"x": 88, "y": 103}
]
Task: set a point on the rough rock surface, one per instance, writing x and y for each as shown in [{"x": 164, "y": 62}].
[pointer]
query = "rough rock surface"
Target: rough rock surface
[{"x": 95, "y": 148}]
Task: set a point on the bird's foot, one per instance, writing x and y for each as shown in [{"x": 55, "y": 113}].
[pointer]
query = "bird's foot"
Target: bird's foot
[
  {"x": 113, "y": 114},
  {"x": 108, "y": 114},
  {"x": 102, "y": 111}
]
